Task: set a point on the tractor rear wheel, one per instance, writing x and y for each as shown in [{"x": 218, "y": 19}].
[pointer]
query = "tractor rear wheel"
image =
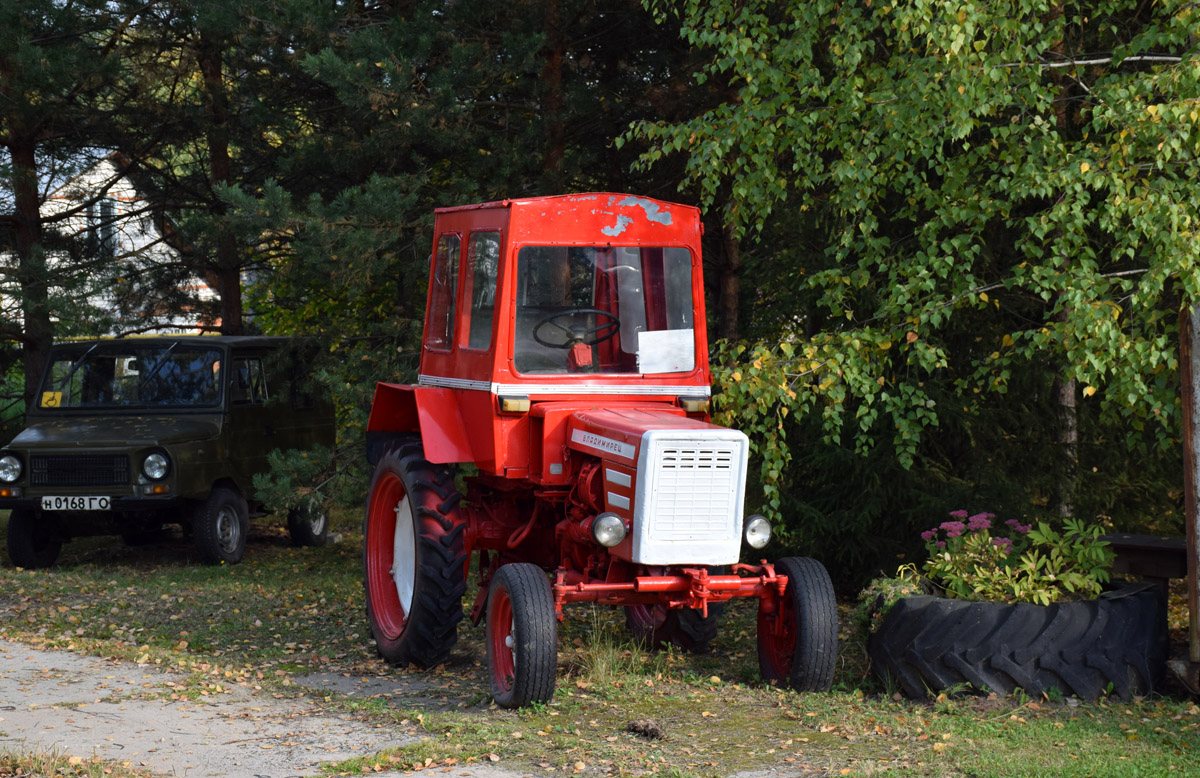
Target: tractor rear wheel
[
  {"x": 522, "y": 636},
  {"x": 658, "y": 625},
  {"x": 414, "y": 559},
  {"x": 797, "y": 647}
]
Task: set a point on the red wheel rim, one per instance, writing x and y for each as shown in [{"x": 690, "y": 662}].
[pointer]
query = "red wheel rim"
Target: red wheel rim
[
  {"x": 386, "y": 609},
  {"x": 779, "y": 637},
  {"x": 500, "y": 635}
]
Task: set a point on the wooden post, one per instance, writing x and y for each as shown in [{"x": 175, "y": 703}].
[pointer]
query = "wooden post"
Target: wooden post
[{"x": 1189, "y": 370}]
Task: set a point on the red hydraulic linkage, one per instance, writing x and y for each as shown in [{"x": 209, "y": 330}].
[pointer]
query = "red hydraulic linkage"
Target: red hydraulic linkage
[{"x": 694, "y": 588}]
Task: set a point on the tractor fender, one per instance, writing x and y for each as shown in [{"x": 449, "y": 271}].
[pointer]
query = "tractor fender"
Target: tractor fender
[{"x": 430, "y": 411}]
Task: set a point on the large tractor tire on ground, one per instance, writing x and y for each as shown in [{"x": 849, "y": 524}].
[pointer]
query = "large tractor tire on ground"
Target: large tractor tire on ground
[
  {"x": 33, "y": 540},
  {"x": 798, "y": 648},
  {"x": 414, "y": 559},
  {"x": 1116, "y": 643},
  {"x": 522, "y": 636}
]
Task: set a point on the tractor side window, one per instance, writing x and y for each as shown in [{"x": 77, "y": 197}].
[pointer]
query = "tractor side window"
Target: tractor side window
[
  {"x": 445, "y": 288},
  {"x": 483, "y": 263}
]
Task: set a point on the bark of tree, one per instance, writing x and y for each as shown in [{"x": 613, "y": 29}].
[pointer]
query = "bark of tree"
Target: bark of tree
[
  {"x": 227, "y": 263},
  {"x": 728, "y": 285},
  {"x": 552, "y": 100},
  {"x": 31, "y": 258}
]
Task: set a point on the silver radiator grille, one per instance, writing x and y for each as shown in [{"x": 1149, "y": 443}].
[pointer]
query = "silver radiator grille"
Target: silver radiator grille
[{"x": 694, "y": 492}]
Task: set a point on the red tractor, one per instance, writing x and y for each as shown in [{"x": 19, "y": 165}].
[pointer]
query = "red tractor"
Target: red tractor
[{"x": 565, "y": 361}]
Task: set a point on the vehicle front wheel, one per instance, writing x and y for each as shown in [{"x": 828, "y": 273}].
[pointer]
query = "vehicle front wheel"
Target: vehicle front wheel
[
  {"x": 308, "y": 524},
  {"x": 522, "y": 636},
  {"x": 414, "y": 558},
  {"x": 33, "y": 540},
  {"x": 797, "y": 645},
  {"x": 220, "y": 527}
]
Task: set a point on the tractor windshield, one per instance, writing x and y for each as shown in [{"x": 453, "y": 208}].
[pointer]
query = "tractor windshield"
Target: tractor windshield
[{"x": 604, "y": 309}]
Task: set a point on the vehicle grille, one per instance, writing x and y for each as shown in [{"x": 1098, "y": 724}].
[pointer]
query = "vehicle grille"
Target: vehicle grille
[
  {"x": 79, "y": 469},
  {"x": 695, "y": 492}
]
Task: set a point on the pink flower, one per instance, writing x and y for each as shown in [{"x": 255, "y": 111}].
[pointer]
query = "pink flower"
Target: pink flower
[
  {"x": 953, "y": 528},
  {"x": 928, "y": 534},
  {"x": 1004, "y": 543},
  {"x": 941, "y": 544},
  {"x": 980, "y": 521},
  {"x": 959, "y": 514}
]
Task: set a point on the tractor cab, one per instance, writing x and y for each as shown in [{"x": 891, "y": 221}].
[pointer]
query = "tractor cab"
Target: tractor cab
[{"x": 591, "y": 298}]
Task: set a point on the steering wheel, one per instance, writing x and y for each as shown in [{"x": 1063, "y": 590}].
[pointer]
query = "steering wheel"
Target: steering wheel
[{"x": 591, "y": 337}]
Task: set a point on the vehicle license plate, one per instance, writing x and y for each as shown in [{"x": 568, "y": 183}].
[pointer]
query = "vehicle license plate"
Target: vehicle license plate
[{"x": 75, "y": 503}]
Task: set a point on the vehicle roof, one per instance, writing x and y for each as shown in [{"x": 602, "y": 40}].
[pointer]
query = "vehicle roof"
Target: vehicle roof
[{"x": 580, "y": 197}]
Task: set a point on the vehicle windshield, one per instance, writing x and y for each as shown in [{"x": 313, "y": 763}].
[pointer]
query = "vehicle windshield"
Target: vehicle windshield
[
  {"x": 113, "y": 376},
  {"x": 604, "y": 309}
]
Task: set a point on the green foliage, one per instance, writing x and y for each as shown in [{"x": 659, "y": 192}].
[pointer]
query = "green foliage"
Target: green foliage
[
  {"x": 878, "y": 597},
  {"x": 987, "y": 193},
  {"x": 971, "y": 561}
]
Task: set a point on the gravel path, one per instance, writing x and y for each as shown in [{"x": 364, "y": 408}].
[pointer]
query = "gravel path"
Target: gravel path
[{"x": 85, "y": 706}]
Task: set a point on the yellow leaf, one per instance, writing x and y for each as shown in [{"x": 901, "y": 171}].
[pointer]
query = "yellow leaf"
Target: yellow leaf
[
  {"x": 1006, "y": 341},
  {"x": 983, "y": 296},
  {"x": 1088, "y": 391},
  {"x": 1152, "y": 109},
  {"x": 1085, "y": 167}
]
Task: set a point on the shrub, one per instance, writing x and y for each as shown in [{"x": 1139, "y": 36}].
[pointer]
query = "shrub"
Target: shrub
[{"x": 971, "y": 560}]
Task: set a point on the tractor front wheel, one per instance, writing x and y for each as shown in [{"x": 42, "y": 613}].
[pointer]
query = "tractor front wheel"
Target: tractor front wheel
[
  {"x": 797, "y": 644},
  {"x": 522, "y": 636},
  {"x": 414, "y": 559}
]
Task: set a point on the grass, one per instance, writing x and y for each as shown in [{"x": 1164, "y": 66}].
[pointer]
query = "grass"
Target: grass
[
  {"x": 52, "y": 763},
  {"x": 285, "y": 613}
]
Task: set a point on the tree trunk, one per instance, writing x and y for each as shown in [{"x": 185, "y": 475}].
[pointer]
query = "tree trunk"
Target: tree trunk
[
  {"x": 32, "y": 273},
  {"x": 227, "y": 262},
  {"x": 552, "y": 101},
  {"x": 1065, "y": 392},
  {"x": 728, "y": 283}
]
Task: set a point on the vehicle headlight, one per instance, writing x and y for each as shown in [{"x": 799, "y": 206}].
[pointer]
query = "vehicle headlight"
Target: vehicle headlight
[
  {"x": 10, "y": 468},
  {"x": 608, "y": 529},
  {"x": 156, "y": 466},
  {"x": 757, "y": 531}
]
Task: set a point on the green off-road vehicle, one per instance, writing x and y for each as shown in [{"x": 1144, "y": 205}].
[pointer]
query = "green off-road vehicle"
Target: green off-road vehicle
[{"x": 126, "y": 436}]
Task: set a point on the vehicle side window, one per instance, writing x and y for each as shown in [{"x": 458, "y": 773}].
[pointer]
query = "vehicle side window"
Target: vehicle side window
[
  {"x": 442, "y": 297},
  {"x": 483, "y": 263},
  {"x": 249, "y": 381}
]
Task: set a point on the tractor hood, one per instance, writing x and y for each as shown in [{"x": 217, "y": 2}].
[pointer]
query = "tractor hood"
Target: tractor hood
[
  {"x": 618, "y": 433},
  {"x": 679, "y": 483},
  {"x": 116, "y": 431}
]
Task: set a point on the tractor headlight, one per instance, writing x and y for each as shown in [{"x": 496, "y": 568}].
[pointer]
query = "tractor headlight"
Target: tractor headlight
[
  {"x": 608, "y": 529},
  {"x": 757, "y": 531},
  {"x": 156, "y": 466},
  {"x": 10, "y": 468}
]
